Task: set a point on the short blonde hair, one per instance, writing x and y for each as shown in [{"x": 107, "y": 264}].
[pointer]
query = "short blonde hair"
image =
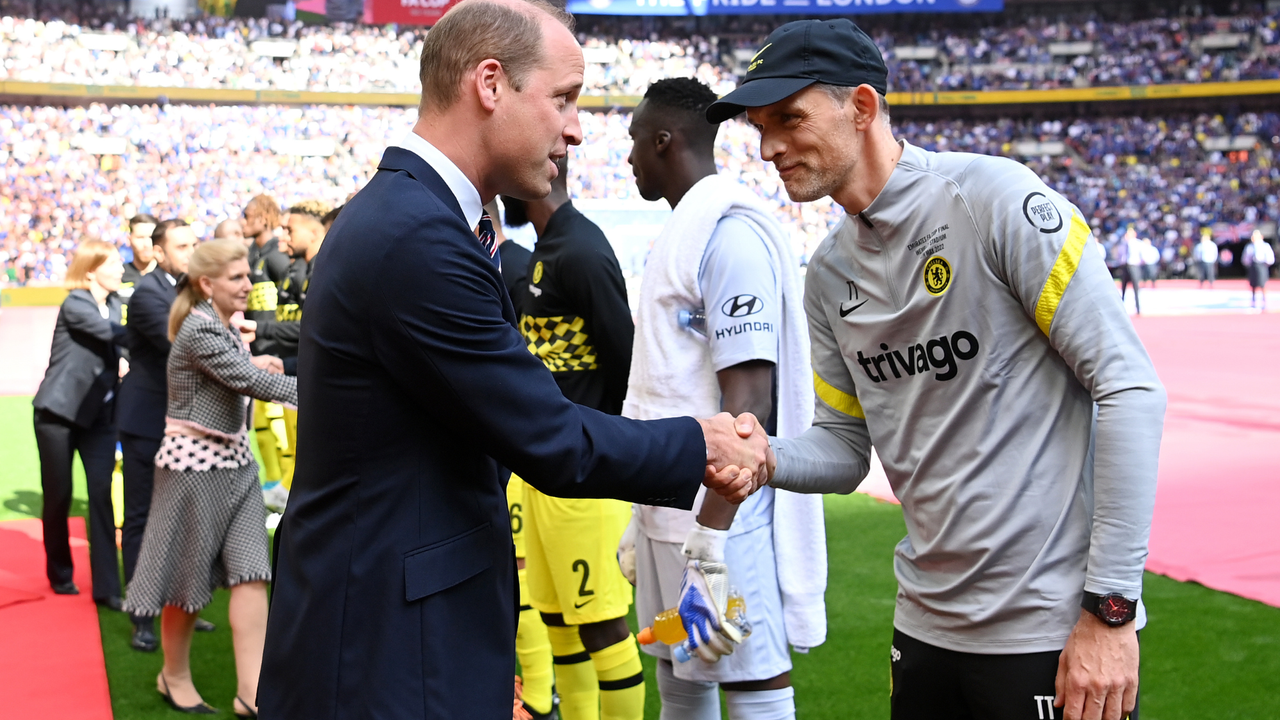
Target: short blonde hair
[
  {"x": 478, "y": 30},
  {"x": 313, "y": 209},
  {"x": 89, "y": 256}
]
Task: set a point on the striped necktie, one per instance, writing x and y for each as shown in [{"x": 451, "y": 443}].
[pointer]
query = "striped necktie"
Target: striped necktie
[{"x": 488, "y": 238}]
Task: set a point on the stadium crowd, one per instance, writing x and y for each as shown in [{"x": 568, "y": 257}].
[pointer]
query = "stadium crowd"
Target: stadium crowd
[
  {"x": 203, "y": 163},
  {"x": 625, "y": 56}
]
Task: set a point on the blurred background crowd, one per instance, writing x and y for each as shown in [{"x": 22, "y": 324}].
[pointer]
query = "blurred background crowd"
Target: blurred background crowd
[
  {"x": 625, "y": 55},
  {"x": 1168, "y": 175},
  {"x": 203, "y": 163}
]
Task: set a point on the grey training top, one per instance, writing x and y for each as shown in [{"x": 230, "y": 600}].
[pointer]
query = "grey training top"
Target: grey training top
[{"x": 966, "y": 325}]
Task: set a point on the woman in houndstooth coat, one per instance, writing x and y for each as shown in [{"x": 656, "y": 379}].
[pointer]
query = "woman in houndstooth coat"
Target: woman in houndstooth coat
[{"x": 207, "y": 523}]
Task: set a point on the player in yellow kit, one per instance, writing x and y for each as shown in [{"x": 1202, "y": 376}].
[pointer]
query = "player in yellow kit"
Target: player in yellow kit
[
  {"x": 533, "y": 649},
  {"x": 268, "y": 266},
  {"x": 575, "y": 318}
]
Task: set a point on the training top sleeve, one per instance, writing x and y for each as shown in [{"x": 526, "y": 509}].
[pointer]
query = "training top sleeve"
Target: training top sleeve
[
  {"x": 834, "y": 454},
  {"x": 740, "y": 290},
  {"x": 1041, "y": 246}
]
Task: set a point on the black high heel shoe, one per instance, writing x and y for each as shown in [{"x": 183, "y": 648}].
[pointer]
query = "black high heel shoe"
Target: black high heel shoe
[
  {"x": 243, "y": 705},
  {"x": 201, "y": 709}
]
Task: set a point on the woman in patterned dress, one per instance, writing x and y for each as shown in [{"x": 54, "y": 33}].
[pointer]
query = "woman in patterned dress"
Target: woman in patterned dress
[{"x": 207, "y": 523}]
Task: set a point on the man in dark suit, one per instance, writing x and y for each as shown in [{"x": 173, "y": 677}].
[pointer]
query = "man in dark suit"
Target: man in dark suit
[
  {"x": 395, "y": 590},
  {"x": 143, "y": 394}
]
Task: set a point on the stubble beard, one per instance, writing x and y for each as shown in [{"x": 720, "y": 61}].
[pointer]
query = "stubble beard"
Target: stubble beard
[{"x": 811, "y": 186}]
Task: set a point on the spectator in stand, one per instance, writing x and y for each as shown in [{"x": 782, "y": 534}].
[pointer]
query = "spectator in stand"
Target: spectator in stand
[
  {"x": 1258, "y": 258},
  {"x": 202, "y": 163},
  {"x": 1206, "y": 257},
  {"x": 75, "y": 413},
  {"x": 625, "y": 56}
]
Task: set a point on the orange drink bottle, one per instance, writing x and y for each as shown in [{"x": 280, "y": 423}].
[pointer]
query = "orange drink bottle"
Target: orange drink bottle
[{"x": 668, "y": 629}]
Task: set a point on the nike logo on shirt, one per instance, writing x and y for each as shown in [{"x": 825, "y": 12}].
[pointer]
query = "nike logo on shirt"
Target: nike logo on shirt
[{"x": 845, "y": 311}]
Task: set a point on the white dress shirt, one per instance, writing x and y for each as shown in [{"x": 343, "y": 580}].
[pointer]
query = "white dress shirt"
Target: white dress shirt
[{"x": 466, "y": 194}]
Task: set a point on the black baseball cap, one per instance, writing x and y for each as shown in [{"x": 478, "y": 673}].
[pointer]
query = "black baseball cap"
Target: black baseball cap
[{"x": 799, "y": 54}]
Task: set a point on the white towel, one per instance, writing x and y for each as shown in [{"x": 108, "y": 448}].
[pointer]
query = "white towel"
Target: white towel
[{"x": 671, "y": 375}]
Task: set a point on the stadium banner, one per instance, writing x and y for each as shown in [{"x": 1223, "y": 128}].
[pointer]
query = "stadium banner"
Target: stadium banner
[
  {"x": 778, "y": 7},
  {"x": 406, "y": 12}
]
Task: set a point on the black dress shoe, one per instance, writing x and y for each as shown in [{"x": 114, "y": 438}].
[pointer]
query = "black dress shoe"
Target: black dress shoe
[
  {"x": 111, "y": 603},
  {"x": 201, "y": 709},
  {"x": 144, "y": 639},
  {"x": 66, "y": 588},
  {"x": 203, "y": 625}
]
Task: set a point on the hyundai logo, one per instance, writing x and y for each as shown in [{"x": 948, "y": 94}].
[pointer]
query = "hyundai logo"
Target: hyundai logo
[{"x": 742, "y": 306}]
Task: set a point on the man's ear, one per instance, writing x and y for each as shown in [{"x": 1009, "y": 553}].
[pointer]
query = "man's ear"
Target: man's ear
[
  {"x": 863, "y": 106},
  {"x": 661, "y": 142},
  {"x": 490, "y": 82}
]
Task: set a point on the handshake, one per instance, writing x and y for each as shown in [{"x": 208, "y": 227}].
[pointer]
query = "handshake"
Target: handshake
[{"x": 739, "y": 458}]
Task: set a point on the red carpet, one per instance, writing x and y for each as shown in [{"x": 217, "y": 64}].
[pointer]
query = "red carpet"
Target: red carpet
[
  {"x": 1219, "y": 492},
  {"x": 51, "y": 664}
]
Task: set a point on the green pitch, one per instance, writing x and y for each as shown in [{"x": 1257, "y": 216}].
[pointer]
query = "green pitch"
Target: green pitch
[{"x": 1205, "y": 654}]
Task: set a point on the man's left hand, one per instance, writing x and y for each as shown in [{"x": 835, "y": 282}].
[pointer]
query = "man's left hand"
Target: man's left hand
[{"x": 1098, "y": 671}]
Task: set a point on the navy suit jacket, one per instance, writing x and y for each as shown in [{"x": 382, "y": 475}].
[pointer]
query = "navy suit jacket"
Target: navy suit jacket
[
  {"x": 395, "y": 592},
  {"x": 144, "y": 392}
]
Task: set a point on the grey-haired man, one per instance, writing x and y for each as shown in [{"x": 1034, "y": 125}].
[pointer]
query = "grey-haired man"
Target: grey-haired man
[{"x": 963, "y": 323}]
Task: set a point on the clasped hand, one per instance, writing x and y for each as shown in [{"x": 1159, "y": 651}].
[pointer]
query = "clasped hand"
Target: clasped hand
[
  {"x": 270, "y": 363},
  {"x": 739, "y": 459}
]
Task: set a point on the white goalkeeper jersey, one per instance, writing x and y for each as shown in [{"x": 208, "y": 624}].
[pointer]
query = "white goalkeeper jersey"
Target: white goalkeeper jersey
[{"x": 967, "y": 327}]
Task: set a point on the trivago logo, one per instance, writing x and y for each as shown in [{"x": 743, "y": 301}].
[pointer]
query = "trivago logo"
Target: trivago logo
[{"x": 940, "y": 354}]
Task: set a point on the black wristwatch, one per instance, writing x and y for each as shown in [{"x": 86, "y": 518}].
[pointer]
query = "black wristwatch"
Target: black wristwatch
[{"x": 1113, "y": 609}]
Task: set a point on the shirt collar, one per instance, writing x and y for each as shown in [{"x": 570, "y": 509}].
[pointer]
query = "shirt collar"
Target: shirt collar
[
  {"x": 466, "y": 194},
  {"x": 167, "y": 276}
]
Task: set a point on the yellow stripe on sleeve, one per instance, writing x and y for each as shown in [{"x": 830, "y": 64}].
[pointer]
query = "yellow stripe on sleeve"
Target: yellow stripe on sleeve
[
  {"x": 1064, "y": 268},
  {"x": 837, "y": 399}
]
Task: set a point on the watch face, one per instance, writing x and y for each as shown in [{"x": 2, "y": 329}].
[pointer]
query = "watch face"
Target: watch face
[{"x": 1114, "y": 610}]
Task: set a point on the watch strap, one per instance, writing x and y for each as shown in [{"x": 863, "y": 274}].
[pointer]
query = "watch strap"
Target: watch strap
[{"x": 1113, "y": 609}]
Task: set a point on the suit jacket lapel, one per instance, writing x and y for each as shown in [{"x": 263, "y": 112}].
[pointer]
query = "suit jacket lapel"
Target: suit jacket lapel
[{"x": 397, "y": 158}]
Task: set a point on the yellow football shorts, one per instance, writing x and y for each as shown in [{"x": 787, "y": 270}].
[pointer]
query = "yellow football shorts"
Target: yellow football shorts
[
  {"x": 571, "y": 556},
  {"x": 515, "y": 508}
]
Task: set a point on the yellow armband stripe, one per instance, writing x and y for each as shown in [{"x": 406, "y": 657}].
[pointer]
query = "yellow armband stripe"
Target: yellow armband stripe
[
  {"x": 1064, "y": 268},
  {"x": 837, "y": 399}
]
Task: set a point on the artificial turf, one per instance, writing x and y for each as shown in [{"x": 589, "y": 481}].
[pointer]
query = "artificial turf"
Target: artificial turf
[{"x": 1205, "y": 654}]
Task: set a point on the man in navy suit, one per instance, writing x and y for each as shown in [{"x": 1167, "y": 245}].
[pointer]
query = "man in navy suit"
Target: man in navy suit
[
  {"x": 140, "y": 408},
  {"x": 395, "y": 594}
]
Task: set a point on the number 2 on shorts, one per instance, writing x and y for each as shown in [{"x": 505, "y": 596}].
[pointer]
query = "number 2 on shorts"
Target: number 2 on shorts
[{"x": 586, "y": 575}]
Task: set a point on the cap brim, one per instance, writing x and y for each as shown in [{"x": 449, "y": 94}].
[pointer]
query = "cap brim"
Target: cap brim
[{"x": 756, "y": 93}]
